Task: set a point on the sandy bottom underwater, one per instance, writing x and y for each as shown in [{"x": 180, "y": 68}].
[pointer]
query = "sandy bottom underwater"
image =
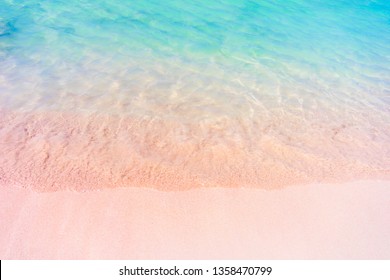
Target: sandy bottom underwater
[{"x": 299, "y": 222}]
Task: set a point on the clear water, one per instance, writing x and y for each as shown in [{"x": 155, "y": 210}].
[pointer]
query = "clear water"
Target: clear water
[{"x": 265, "y": 89}]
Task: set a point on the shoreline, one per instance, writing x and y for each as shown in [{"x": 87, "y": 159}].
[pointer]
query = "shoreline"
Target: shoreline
[{"x": 53, "y": 151}]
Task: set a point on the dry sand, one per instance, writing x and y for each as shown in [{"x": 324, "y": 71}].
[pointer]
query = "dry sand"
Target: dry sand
[{"x": 298, "y": 222}]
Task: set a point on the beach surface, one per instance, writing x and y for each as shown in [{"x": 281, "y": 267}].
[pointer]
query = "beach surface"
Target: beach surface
[
  {"x": 317, "y": 221},
  {"x": 194, "y": 130}
]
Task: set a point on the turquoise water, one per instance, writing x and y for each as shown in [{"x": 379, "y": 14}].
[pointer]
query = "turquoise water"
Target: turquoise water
[
  {"x": 312, "y": 76},
  {"x": 335, "y": 51}
]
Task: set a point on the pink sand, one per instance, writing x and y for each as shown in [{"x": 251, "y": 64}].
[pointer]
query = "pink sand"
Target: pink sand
[
  {"x": 299, "y": 222},
  {"x": 50, "y": 151}
]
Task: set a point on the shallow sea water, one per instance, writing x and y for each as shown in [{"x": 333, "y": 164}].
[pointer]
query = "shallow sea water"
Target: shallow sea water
[{"x": 183, "y": 94}]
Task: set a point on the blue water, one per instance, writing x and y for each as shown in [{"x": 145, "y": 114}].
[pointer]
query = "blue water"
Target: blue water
[{"x": 324, "y": 48}]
